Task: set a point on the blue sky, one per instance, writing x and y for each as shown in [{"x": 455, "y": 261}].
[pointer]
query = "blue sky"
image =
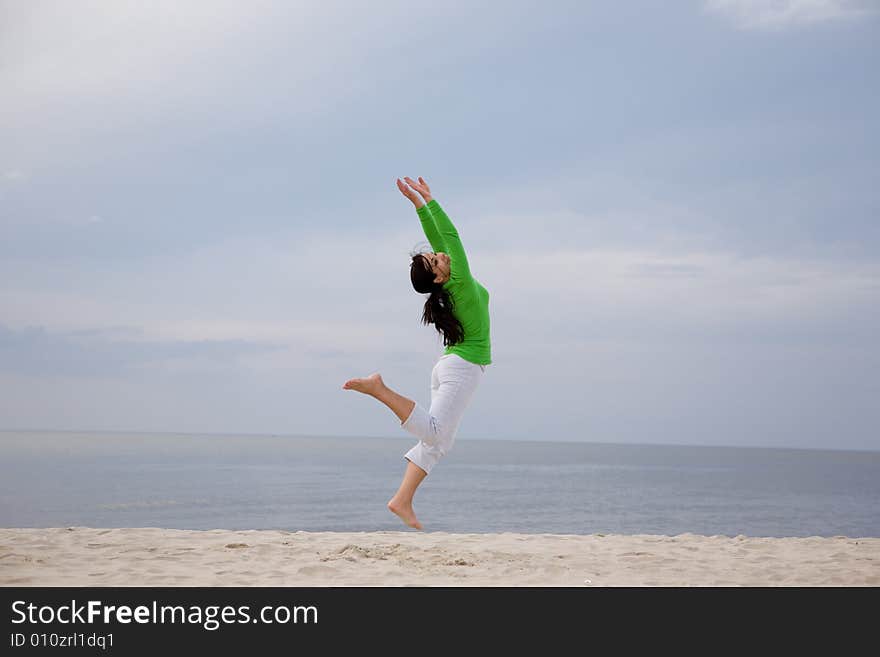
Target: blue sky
[{"x": 674, "y": 207}]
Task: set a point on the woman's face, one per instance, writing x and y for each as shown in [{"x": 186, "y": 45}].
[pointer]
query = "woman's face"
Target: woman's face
[{"x": 439, "y": 263}]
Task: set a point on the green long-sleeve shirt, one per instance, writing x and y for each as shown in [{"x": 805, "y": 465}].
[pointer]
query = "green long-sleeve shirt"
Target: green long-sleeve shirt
[{"x": 470, "y": 300}]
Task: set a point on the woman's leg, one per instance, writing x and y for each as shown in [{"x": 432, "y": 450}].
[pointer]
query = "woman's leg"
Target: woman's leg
[
  {"x": 374, "y": 386},
  {"x": 401, "y": 503},
  {"x": 453, "y": 382}
]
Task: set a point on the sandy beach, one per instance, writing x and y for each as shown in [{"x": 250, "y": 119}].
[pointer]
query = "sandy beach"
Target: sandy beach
[{"x": 81, "y": 556}]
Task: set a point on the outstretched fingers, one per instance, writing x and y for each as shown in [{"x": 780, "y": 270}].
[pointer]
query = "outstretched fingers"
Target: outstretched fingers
[{"x": 421, "y": 187}]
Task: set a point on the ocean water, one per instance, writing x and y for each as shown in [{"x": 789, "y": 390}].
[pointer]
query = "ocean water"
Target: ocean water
[{"x": 342, "y": 484}]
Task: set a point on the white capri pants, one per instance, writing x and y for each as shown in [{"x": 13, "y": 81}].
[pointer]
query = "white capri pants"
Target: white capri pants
[{"x": 453, "y": 382}]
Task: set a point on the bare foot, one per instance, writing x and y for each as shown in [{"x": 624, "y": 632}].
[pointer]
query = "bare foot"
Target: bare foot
[
  {"x": 405, "y": 512},
  {"x": 368, "y": 385}
]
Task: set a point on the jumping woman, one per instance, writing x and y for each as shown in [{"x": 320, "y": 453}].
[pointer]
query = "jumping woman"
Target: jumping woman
[{"x": 458, "y": 307}]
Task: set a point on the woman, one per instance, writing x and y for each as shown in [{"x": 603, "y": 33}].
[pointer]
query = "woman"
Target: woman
[{"x": 458, "y": 306}]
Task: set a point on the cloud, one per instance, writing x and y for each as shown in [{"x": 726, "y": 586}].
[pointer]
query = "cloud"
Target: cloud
[
  {"x": 38, "y": 351},
  {"x": 14, "y": 176},
  {"x": 650, "y": 297},
  {"x": 675, "y": 332},
  {"x": 288, "y": 291},
  {"x": 316, "y": 296},
  {"x": 782, "y": 14},
  {"x": 208, "y": 215},
  {"x": 220, "y": 66}
]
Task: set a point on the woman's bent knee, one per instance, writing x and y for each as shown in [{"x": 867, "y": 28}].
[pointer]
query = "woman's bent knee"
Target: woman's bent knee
[{"x": 440, "y": 438}]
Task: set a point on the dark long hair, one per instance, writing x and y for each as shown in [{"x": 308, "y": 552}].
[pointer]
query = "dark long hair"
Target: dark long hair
[{"x": 439, "y": 306}]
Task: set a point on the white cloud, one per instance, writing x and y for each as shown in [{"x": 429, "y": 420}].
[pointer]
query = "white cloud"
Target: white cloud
[
  {"x": 83, "y": 60},
  {"x": 14, "y": 176},
  {"x": 289, "y": 291},
  {"x": 672, "y": 329},
  {"x": 700, "y": 290},
  {"x": 782, "y": 14},
  {"x": 77, "y": 221},
  {"x": 138, "y": 65},
  {"x": 311, "y": 293}
]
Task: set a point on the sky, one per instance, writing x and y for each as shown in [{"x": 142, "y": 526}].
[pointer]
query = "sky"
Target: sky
[{"x": 673, "y": 206}]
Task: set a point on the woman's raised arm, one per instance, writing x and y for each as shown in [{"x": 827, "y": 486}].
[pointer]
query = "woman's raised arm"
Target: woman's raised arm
[
  {"x": 448, "y": 236},
  {"x": 425, "y": 217}
]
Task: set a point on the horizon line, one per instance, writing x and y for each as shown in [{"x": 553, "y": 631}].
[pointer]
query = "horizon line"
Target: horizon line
[{"x": 485, "y": 439}]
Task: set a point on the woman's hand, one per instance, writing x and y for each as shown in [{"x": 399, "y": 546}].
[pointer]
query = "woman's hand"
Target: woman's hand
[
  {"x": 421, "y": 187},
  {"x": 410, "y": 194}
]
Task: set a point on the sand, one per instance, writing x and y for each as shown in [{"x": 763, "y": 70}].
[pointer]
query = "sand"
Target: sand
[{"x": 82, "y": 556}]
